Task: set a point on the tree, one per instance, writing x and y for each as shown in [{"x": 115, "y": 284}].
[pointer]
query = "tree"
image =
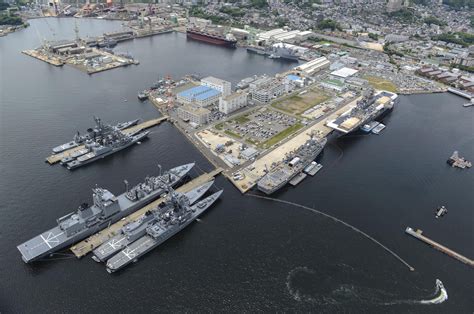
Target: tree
[
  {"x": 329, "y": 24},
  {"x": 373, "y": 36},
  {"x": 433, "y": 20}
]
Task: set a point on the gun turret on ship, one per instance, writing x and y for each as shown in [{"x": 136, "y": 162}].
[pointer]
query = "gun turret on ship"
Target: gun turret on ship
[
  {"x": 106, "y": 209},
  {"x": 175, "y": 215}
]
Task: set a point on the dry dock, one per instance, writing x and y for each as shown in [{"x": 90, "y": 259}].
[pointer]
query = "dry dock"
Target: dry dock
[
  {"x": 82, "y": 248},
  {"x": 418, "y": 235},
  {"x": 142, "y": 126}
]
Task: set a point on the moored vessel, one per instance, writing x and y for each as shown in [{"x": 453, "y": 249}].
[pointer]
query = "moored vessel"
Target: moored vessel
[
  {"x": 106, "y": 209},
  {"x": 291, "y": 166},
  {"x": 216, "y": 39},
  {"x": 137, "y": 228},
  {"x": 177, "y": 215},
  {"x": 98, "y": 131}
]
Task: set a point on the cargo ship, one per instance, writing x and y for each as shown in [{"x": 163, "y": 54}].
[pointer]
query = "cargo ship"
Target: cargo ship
[{"x": 215, "y": 39}]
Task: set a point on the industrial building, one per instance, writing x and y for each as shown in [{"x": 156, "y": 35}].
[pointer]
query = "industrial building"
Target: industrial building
[
  {"x": 283, "y": 35},
  {"x": 266, "y": 88},
  {"x": 312, "y": 67},
  {"x": 343, "y": 73},
  {"x": 194, "y": 115},
  {"x": 295, "y": 79},
  {"x": 224, "y": 87},
  {"x": 233, "y": 102},
  {"x": 199, "y": 96}
]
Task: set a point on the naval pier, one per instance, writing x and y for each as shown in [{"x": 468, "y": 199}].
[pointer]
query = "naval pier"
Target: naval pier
[
  {"x": 84, "y": 247},
  {"x": 134, "y": 129}
]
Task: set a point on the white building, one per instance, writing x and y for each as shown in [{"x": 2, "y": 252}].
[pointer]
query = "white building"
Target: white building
[
  {"x": 198, "y": 116},
  {"x": 224, "y": 87},
  {"x": 233, "y": 102},
  {"x": 313, "y": 66},
  {"x": 266, "y": 88}
]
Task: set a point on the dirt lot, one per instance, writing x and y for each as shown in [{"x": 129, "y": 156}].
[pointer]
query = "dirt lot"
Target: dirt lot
[{"x": 299, "y": 103}]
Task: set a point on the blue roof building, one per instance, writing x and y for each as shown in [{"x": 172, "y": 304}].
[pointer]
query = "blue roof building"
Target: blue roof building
[{"x": 201, "y": 96}]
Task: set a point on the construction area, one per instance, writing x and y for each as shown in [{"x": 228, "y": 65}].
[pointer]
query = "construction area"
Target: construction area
[{"x": 84, "y": 247}]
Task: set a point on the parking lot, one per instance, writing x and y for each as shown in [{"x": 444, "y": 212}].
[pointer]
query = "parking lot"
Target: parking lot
[{"x": 260, "y": 125}]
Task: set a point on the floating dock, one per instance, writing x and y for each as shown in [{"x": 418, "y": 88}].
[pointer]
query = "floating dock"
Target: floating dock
[
  {"x": 418, "y": 234},
  {"x": 313, "y": 168},
  {"x": 142, "y": 126},
  {"x": 297, "y": 180},
  {"x": 84, "y": 247}
]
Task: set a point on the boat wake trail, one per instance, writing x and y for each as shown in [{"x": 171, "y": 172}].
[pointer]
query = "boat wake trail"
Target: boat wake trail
[
  {"x": 339, "y": 221},
  {"x": 439, "y": 296},
  {"x": 307, "y": 285}
]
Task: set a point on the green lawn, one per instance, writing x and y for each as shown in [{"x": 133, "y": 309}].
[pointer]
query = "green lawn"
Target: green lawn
[
  {"x": 282, "y": 135},
  {"x": 241, "y": 119},
  {"x": 219, "y": 126},
  {"x": 228, "y": 132}
]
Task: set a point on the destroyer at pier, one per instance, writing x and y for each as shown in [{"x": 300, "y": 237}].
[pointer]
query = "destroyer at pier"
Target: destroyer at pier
[
  {"x": 136, "y": 229},
  {"x": 106, "y": 209},
  {"x": 175, "y": 214}
]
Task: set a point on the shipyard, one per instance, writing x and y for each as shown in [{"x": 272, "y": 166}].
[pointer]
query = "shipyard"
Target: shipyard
[{"x": 248, "y": 156}]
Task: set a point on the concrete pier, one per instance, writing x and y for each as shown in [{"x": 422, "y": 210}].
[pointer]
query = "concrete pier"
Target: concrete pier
[
  {"x": 142, "y": 126},
  {"x": 418, "y": 234},
  {"x": 45, "y": 58},
  {"x": 82, "y": 248}
]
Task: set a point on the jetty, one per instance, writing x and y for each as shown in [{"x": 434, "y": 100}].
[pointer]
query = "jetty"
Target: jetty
[
  {"x": 44, "y": 57},
  {"x": 134, "y": 129},
  {"x": 84, "y": 247},
  {"x": 418, "y": 234}
]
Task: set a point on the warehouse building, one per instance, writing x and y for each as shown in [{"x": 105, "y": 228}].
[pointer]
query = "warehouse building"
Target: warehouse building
[
  {"x": 312, "y": 67},
  {"x": 199, "y": 96}
]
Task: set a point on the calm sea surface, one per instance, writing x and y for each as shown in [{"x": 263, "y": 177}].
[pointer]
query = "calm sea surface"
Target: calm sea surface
[{"x": 245, "y": 254}]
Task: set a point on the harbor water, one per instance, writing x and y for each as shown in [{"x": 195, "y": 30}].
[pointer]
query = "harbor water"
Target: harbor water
[{"x": 245, "y": 254}]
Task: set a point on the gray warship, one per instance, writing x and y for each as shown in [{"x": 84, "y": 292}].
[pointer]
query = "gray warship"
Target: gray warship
[
  {"x": 293, "y": 164},
  {"x": 176, "y": 215},
  {"x": 106, "y": 209},
  {"x": 96, "y": 132},
  {"x": 370, "y": 107},
  {"x": 107, "y": 145},
  {"x": 137, "y": 228}
]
